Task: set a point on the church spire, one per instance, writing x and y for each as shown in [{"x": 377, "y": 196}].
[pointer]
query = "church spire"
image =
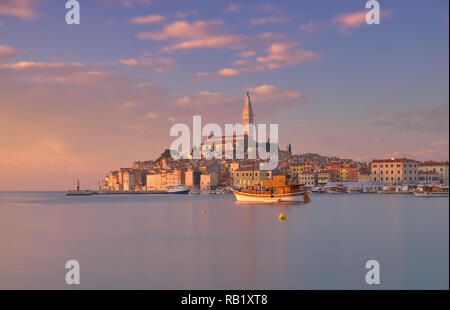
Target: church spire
[{"x": 247, "y": 114}]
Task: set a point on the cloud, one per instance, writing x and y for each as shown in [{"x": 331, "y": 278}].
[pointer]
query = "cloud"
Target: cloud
[
  {"x": 233, "y": 7},
  {"x": 225, "y": 72},
  {"x": 309, "y": 27},
  {"x": 128, "y": 105},
  {"x": 30, "y": 65},
  {"x": 182, "y": 30},
  {"x": 127, "y": 3},
  {"x": 186, "y": 14},
  {"x": 247, "y": 54},
  {"x": 427, "y": 119},
  {"x": 272, "y": 93},
  {"x": 435, "y": 150},
  {"x": 281, "y": 55},
  {"x": 345, "y": 22},
  {"x": 149, "y": 19},
  {"x": 205, "y": 98},
  {"x": 22, "y": 9},
  {"x": 7, "y": 52},
  {"x": 267, "y": 20},
  {"x": 206, "y": 34},
  {"x": 150, "y": 115},
  {"x": 91, "y": 78},
  {"x": 160, "y": 64}
]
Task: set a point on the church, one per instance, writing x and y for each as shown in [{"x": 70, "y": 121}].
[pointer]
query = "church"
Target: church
[{"x": 238, "y": 141}]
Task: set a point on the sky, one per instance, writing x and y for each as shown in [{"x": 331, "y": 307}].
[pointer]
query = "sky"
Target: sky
[{"x": 77, "y": 101}]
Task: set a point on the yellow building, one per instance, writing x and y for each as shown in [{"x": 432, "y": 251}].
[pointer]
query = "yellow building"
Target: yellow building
[
  {"x": 248, "y": 176},
  {"x": 323, "y": 177},
  {"x": 438, "y": 167},
  {"x": 308, "y": 178},
  {"x": 295, "y": 170},
  {"x": 344, "y": 174}
]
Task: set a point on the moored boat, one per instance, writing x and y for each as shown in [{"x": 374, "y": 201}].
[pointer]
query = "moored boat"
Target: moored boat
[
  {"x": 180, "y": 189},
  {"x": 432, "y": 191},
  {"x": 283, "y": 193}
]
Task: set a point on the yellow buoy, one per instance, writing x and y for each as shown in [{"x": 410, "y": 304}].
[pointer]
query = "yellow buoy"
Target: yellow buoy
[
  {"x": 282, "y": 216},
  {"x": 204, "y": 212}
]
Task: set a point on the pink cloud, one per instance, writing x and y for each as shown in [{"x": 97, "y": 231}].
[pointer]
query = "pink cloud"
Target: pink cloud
[
  {"x": 182, "y": 30},
  {"x": 309, "y": 27},
  {"x": 345, "y": 22},
  {"x": 149, "y": 19},
  {"x": 271, "y": 93},
  {"x": 281, "y": 55},
  {"x": 160, "y": 64},
  {"x": 247, "y": 54},
  {"x": 206, "y": 34},
  {"x": 186, "y": 14},
  {"x": 22, "y": 9},
  {"x": 435, "y": 150},
  {"x": 233, "y": 7},
  {"x": 7, "y": 52},
  {"x": 127, "y": 3},
  {"x": 267, "y": 20}
]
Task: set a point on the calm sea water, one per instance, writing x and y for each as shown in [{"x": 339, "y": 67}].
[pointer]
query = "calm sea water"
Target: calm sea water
[{"x": 165, "y": 242}]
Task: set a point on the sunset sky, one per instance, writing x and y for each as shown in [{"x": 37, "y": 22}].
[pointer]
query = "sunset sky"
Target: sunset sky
[{"x": 77, "y": 101}]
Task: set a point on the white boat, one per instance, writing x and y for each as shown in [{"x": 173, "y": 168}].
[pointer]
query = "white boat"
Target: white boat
[
  {"x": 285, "y": 193},
  {"x": 180, "y": 189},
  {"x": 318, "y": 190}
]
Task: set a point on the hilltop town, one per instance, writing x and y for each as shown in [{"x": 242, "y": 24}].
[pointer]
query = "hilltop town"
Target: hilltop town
[{"x": 308, "y": 169}]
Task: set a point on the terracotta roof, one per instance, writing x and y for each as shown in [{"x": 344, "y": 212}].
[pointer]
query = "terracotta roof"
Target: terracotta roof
[{"x": 394, "y": 160}]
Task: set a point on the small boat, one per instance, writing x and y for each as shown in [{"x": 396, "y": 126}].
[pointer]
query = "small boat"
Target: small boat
[
  {"x": 180, "y": 189},
  {"x": 283, "y": 193},
  {"x": 432, "y": 191},
  {"x": 318, "y": 190},
  {"x": 339, "y": 189}
]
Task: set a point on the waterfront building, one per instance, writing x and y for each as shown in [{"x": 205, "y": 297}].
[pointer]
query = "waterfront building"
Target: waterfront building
[
  {"x": 250, "y": 176},
  {"x": 192, "y": 178},
  {"x": 429, "y": 177},
  {"x": 439, "y": 167},
  {"x": 209, "y": 181},
  {"x": 395, "y": 171},
  {"x": 156, "y": 181},
  {"x": 132, "y": 179},
  {"x": 364, "y": 177},
  {"x": 308, "y": 178},
  {"x": 323, "y": 177}
]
